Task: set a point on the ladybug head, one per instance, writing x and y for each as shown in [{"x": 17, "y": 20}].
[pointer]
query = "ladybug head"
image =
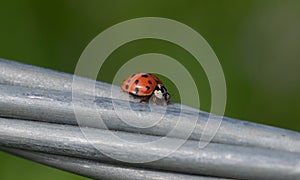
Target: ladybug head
[{"x": 161, "y": 93}]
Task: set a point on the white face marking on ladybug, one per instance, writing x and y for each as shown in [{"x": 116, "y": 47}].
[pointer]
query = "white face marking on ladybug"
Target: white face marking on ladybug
[{"x": 158, "y": 94}]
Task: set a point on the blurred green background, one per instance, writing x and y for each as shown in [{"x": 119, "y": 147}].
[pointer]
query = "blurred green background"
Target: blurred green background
[{"x": 257, "y": 43}]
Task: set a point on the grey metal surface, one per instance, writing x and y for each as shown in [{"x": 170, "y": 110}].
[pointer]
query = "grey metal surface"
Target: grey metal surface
[
  {"x": 43, "y": 100},
  {"x": 98, "y": 170},
  {"x": 56, "y": 106},
  {"x": 215, "y": 159}
]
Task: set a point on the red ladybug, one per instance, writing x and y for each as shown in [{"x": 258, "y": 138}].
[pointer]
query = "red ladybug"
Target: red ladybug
[{"x": 144, "y": 85}]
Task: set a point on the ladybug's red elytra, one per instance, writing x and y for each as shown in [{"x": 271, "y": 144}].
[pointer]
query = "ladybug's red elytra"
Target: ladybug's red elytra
[{"x": 146, "y": 85}]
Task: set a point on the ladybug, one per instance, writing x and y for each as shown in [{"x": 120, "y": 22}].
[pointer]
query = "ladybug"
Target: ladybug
[{"x": 145, "y": 86}]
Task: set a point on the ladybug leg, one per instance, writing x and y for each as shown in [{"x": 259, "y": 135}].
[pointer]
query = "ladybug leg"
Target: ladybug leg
[
  {"x": 165, "y": 103},
  {"x": 154, "y": 99},
  {"x": 144, "y": 99}
]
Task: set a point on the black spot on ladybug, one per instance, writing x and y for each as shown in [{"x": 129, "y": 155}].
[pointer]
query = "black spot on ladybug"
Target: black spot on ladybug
[
  {"x": 136, "y": 82},
  {"x": 136, "y": 90},
  {"x": 148, "y": 88},
  {"x": 129, "y": 80},
  {"x": 166, "y": 96},
  {"x": 163, "y": 89},
  {"x": 145, "y": 75},
  {"x": 149, "y": 82},
  {"x": 126, "y": 87}
]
